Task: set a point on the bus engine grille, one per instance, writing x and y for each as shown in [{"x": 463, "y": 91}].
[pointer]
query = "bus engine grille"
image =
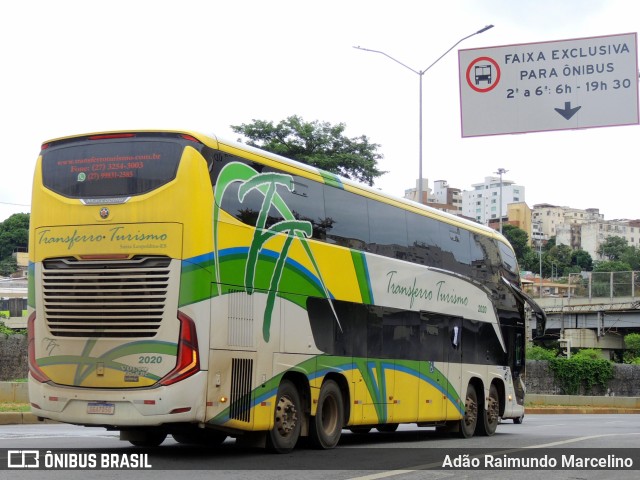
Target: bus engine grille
[
  {"x": 105, "y": 298},
  {"x": 241, "y": 376}
]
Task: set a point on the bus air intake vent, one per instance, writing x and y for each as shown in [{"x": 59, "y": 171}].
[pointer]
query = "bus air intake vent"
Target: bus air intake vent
[
  {"x": 240, "y": 401},
  {"x": 105, "y": 298}
]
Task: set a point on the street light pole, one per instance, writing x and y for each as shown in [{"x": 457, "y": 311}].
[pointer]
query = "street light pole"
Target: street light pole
[
  {"x": 420, "y": 73},
  {"x": 540, "y": 254},
  {"x": 500, "y": 172}
]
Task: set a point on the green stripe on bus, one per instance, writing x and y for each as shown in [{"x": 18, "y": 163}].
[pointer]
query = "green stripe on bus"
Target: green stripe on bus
[
  {"x": 362, "y": 274},
  {"x": 331, "y": 179}
]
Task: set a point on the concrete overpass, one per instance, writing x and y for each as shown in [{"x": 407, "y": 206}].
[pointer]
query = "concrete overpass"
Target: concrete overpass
[{"x": 597, "y": 322}]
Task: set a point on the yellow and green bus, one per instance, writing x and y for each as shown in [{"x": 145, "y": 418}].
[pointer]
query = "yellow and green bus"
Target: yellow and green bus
[{"x": 184, "y": 285}]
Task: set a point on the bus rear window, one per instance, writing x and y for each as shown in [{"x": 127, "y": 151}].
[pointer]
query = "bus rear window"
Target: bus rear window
[{"x": 113, "y": 168}]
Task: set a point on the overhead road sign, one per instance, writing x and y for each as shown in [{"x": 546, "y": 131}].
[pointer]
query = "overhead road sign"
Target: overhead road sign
[{"x": 559, "y": 85}]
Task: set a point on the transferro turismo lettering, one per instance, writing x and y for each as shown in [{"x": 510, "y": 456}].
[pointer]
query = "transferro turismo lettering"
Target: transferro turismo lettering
[
  {"x": 45, "y": 237},
  {"x": 440, "y": 292},
  {"x": 117, "y": 234}
]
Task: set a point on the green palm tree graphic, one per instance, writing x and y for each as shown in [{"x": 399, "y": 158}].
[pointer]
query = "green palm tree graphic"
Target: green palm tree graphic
[{"x": 267, "y": 184}]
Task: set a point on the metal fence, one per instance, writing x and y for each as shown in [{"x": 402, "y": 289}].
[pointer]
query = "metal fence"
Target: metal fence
[{"x": 604, "y": 284}]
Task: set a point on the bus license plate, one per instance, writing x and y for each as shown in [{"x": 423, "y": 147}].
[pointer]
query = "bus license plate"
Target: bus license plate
[{"x": 101, "y": 407}]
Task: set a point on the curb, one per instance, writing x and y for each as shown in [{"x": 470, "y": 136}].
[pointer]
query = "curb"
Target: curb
[
  {"x": 21, "y": 418},
  {"x": 579, "y": 410}
]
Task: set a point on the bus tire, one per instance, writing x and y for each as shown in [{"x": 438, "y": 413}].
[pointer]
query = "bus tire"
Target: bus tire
[
  {"x": 284, "y": 435},
  {"x": 360, "y": 430},
  {"x": 148, "y": 439},
  {"x": 470, "y": 419},
  {"x": 387, "y": 427},
  {"x": 490, "y": 413},
  {"x": 326, "y": 426},
  {"x": 201, "y": 438}
]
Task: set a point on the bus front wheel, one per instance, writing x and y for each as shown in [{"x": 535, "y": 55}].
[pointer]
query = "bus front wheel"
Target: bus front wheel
[
  {"x": 287, "y": 419},
  {"x": 326, "y": 426}
]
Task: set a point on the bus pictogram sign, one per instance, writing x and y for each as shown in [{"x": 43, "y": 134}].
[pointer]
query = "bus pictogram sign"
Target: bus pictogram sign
[{"x": 483, "y": 74}]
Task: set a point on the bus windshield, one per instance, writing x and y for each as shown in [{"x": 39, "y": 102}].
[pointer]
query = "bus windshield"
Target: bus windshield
[{"x": 111, "y": 168}]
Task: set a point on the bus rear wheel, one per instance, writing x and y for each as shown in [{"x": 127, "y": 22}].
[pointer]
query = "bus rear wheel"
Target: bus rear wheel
[
  {"x": 326, "y": 426},
  {"x": 284, "y": 435},
  {"x": 387, "y": 427},
  {"x": 202, "y": 438},
  {"x": 469, "y": 421},
  {"x": 144, "y": 438},
  {"x": 490, "y": 414}
]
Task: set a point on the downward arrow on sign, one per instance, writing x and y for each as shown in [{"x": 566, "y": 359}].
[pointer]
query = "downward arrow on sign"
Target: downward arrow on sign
[{"x": 567, "y": 112}]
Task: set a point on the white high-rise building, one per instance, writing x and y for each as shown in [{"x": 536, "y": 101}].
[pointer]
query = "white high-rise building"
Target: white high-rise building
[{"x": 483, "y": 202}]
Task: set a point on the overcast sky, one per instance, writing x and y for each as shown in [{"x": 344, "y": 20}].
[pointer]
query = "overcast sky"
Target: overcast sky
[{"x": 82, "y": 66}]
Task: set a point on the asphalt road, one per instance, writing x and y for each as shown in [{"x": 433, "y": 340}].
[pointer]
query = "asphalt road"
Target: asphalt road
[{"x": 409, "y": 453}]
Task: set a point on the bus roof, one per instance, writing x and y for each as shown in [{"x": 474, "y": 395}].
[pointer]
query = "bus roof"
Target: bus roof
[{"x": 214, "y": 141}]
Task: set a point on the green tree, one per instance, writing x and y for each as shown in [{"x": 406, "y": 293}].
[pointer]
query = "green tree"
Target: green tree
[
  {"x": 632, "y": 343},
  {"x": 613, "y": 248},
  {"x": 581, "y": 258},
  {"x": 631, "y": 256},
  {"x": 558, "y": 256},
  {"x": 530, "y": 261},
  {"x": 518, "y": 239},
  {"x": 14, "y": 235},
  {"x": 316, "y": 143},
  {"x": 612, "y": 266}
]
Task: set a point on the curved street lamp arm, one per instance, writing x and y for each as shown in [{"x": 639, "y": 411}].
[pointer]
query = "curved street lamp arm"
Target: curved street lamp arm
[
  {"x": 455, "y": 45},
  {"x": 390, "y": 57}
]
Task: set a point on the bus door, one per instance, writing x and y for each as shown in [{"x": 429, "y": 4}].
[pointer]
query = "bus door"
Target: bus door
[{"x": 432, "y": 392}]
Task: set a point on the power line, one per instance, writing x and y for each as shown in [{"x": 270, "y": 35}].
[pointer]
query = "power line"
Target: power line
[{"x": 15, "y": 204}]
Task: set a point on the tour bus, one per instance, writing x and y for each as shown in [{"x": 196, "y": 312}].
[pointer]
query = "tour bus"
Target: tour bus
[{"x": 184, "y": 285}]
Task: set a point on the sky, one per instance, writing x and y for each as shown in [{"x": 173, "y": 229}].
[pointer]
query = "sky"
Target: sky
[{"x": 71, "y": 67}]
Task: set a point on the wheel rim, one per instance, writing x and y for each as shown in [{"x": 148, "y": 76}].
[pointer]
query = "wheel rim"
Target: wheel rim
[
  {"x": 493, "y": 410},
  {"x": 471, "y": 412},
  {"x": 286, "y": 416}
]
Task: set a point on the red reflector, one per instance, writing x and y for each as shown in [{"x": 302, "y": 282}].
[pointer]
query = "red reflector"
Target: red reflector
[
  {"x": 180, "y": 410},
  {"x": 149, "y": 402},
  {"x": 45, "y": 146},
  {"x": 190, "y": 138},
  {"x": 53, "y": 399},
  {"x": 35, "y": 405},
  {"x": 112, "y": 135}
]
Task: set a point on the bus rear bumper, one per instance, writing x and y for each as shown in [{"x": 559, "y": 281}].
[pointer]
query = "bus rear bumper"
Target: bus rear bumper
[{"x": 182, "y": 402}]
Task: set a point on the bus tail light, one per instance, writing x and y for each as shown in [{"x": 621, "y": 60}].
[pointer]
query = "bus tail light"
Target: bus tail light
[
  {"x": 34, "y": 369},
  {"x": 188, "y": 361}
]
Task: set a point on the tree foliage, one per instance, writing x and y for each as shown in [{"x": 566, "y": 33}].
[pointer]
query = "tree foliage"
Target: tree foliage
[
  {"x": 613, "y": 248},
  {"x": 518, "y": 239},
  {"x": 14, "y": 236},
  {"x": 580, "y": 373},
  {"x": 316, "y": 143},
  {"x": 581, "y": 259},
  {"x": 632, "y": 344},
  {"x": 612, "y": 266}
]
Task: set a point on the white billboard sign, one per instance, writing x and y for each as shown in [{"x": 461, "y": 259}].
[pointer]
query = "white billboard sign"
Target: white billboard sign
[{"x": 559, "y": 85}]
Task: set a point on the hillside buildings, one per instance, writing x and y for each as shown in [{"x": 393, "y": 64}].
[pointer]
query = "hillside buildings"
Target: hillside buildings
[{"x": 493, "y": 198}]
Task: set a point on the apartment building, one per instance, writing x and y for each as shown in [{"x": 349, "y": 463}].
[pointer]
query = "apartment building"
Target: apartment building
[{"x": 489, "y": 199}]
